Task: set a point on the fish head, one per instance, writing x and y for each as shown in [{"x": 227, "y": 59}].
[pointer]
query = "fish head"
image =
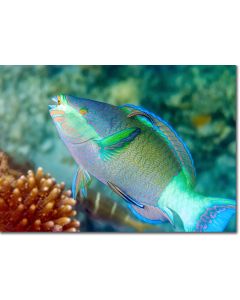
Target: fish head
[
  {"x": 70, "y": 121},
  {"x": 102, "y": 117},
  {"x": 79, "y": 120}
]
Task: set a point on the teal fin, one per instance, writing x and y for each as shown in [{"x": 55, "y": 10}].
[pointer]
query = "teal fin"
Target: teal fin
[
  {"x": 177, "y": 221},
  {"x": 126, "y": 197},
  {"x": 174, "y": 141},
  {"x": 115, "y": 143},
  {"x": 80, "y": 182}
]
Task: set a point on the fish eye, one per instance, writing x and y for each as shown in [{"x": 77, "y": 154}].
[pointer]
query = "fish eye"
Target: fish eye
[
  {"x": 59, "y": 100},
  {"x": 83, "y": 111}
]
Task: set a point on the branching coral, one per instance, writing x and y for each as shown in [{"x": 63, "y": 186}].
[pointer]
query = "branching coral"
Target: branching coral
[
  {"x": 4, "y": 168},
  {"x": 35, "y": 202}
]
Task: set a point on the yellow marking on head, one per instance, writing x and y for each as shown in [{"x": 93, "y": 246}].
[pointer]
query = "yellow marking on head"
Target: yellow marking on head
[
  {"x": 83, "y": 111},
  {"x": 59, "y": 99}
]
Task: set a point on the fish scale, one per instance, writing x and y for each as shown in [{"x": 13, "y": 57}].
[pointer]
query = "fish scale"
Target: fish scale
[{"x": 144, "y": 174}]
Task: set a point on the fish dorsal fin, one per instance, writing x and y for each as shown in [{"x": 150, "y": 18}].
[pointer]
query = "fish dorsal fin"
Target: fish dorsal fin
[
  {"x": 80, "y": 182},
  {"x": 174, "y": 141}
]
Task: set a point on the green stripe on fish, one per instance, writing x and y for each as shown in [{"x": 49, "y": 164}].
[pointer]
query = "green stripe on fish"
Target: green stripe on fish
[{"x": 115, "y": 143}]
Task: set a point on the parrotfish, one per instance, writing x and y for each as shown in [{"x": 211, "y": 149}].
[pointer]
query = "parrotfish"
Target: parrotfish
[{"x": 141, "y": 158}]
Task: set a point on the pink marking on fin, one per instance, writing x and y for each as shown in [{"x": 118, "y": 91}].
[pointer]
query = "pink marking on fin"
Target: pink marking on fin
[
  {"x": 59, "y": 119},
  {"x": 56, "y": 112},
  {"x": 152, "y": 213}
]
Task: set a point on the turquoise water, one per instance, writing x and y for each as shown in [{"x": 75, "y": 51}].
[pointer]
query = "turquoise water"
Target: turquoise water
[{"x": 198, "y": 101}]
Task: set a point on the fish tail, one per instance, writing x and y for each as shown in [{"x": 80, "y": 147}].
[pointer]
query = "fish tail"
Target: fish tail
[
  {"x": 208, "y": 214},
  {"x": 215, "y": 215}
]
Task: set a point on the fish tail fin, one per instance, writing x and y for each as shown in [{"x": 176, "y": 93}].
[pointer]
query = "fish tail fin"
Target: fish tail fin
[{"x": 214, "y": 214}]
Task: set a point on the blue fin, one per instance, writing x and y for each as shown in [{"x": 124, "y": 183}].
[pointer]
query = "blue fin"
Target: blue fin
[
  {"x": 172, "y": 138},
  {"x": 80, "y": 182},
  {"x": 216, "y": 217},
  {"x": 115, "y": 143},
  {"x": 150, "y": 214},
  {"x": 126, "y": 197}
]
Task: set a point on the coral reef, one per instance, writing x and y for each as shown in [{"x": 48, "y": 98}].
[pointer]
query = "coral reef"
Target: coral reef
[
  {"x": 34, "y": 203},
  {"x": 5, "y": 169}
]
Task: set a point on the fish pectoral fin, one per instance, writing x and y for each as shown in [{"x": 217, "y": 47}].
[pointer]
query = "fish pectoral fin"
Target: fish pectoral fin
[
  {"x": 177, "y": 221},
  {"x": 115, "y": 143},
  {"x": 150, "y": 214},
  {"x": 122, "y": 194},
  {"x": 80, "y": 183}
]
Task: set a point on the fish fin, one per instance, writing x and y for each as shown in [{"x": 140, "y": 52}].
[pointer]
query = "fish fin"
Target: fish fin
[
  {"x": 122, "y": 194},
  {"x": 141, "y": 113},
  {"x": 115, "y": 143},
  {"x": 177, "y": 221},
  {"x": 80, "y": 182},
  {"x": 150, "y": 214},
  {"x": 172, "y": 138},
  {"x": 216, "y": 215}
]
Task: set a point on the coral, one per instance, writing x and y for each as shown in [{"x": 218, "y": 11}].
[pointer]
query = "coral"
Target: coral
[
  {"x": 34, "y": 203},
  {"x": 9, "y": 167}
]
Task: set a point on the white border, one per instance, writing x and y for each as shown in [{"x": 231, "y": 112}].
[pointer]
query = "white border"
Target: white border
[{"x": 119, "y": 266}]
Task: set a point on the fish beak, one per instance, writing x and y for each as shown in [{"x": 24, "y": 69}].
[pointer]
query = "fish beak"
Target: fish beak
[
  {"x": 55, "y": 99},
  {"x": 50, "y": 107}
]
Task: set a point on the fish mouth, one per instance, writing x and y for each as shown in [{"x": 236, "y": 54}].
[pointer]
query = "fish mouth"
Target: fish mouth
[
  {"x": 53, "y": 106},
  {"x": 54, "y": 99},
  {"x": 50, "y": 107}
]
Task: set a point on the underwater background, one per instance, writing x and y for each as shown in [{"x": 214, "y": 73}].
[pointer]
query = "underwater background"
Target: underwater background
[{"x": 199, "y": 102}]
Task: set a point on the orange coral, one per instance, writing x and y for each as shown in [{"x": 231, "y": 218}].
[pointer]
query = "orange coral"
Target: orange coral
[
  {"x": 35, "y": 203},
  {"x": 5, "y": 170}
]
